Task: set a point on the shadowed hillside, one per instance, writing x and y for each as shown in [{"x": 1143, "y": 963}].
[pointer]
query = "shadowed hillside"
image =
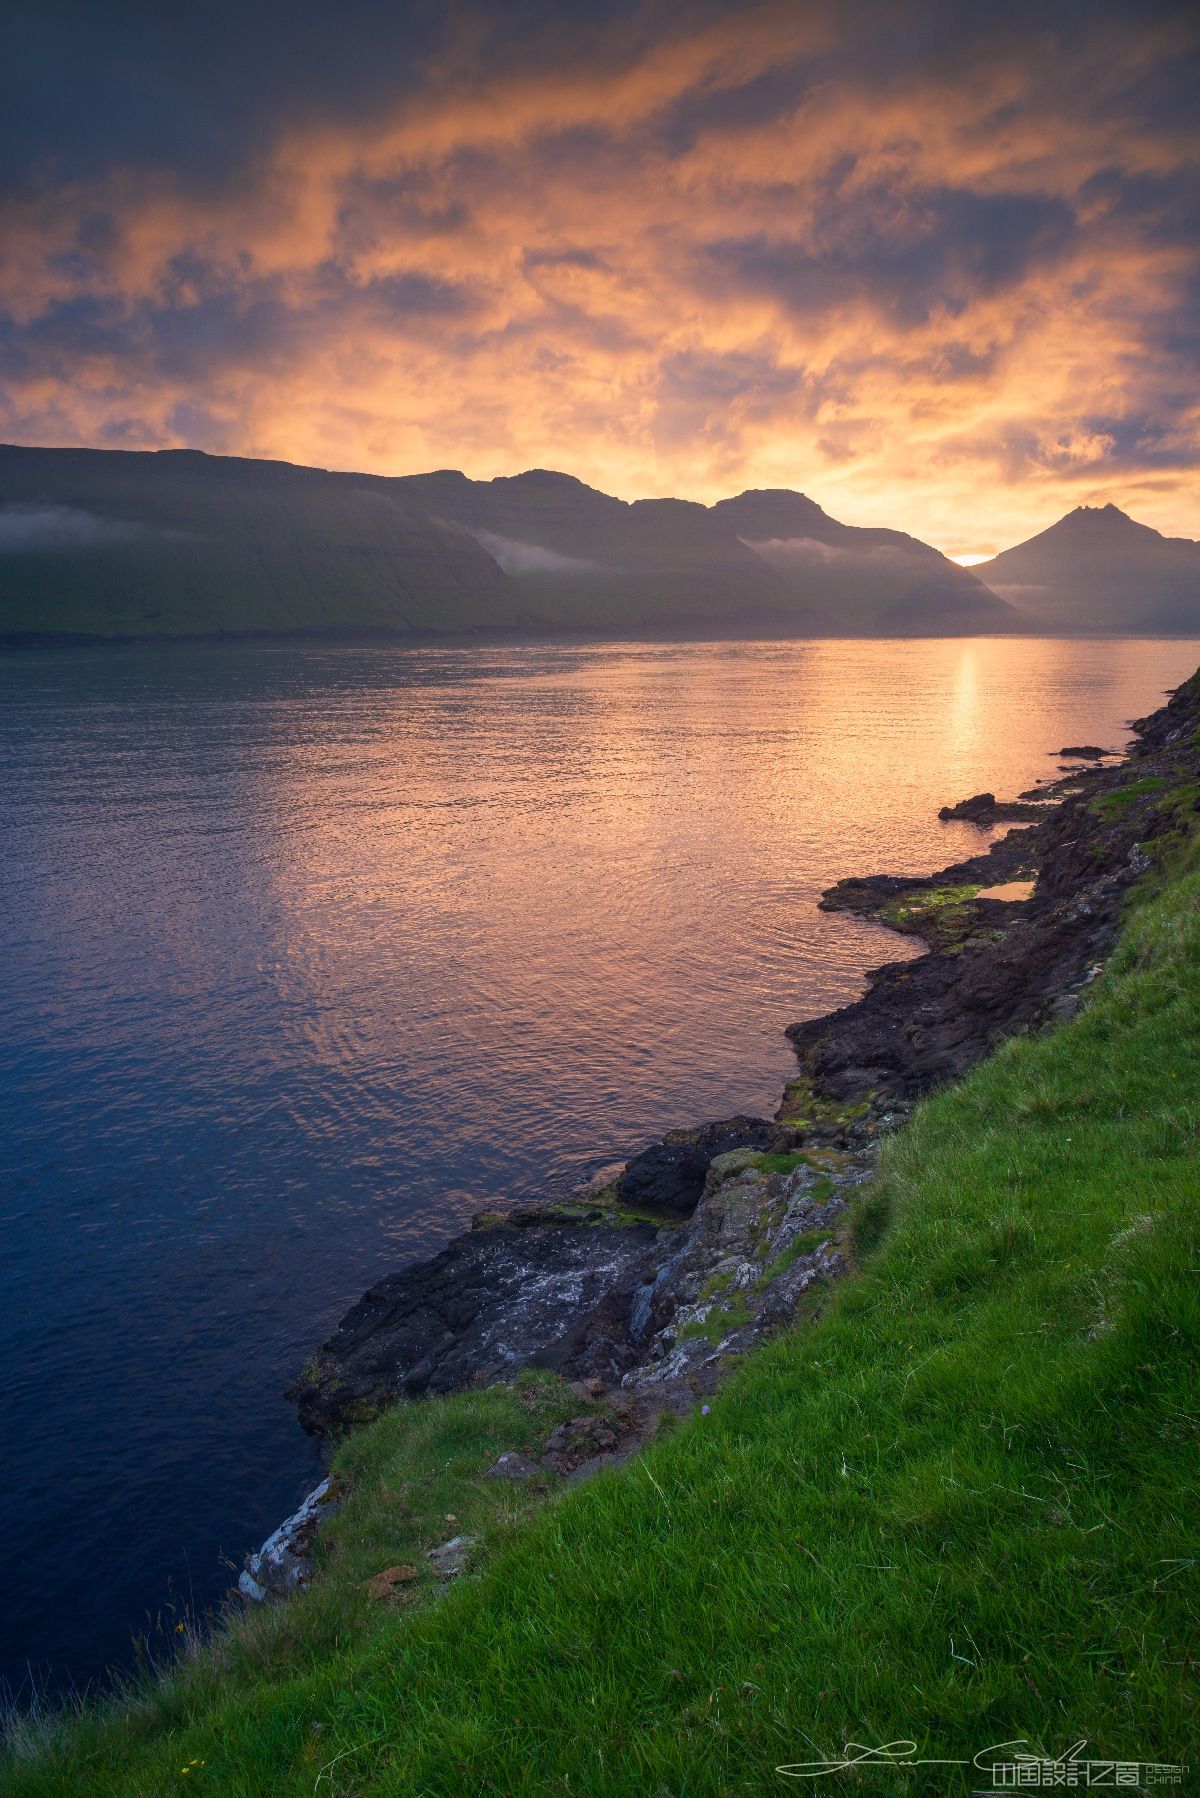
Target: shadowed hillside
[
  {"x": 885, "y": 582},
  {"x": 106, "y": 544},
  {"x": 1097, "y": 569}
]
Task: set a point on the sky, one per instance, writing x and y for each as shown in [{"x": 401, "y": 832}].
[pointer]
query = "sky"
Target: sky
[{"x": 938, "y": 266}]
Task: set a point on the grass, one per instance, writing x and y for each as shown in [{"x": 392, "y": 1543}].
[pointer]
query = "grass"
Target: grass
[
  {"x": 803, "y": 1108},
  {"x": 1110, "y": 806},
  {"x": 931, "y": 899},
  {"x": 942, "y": 915},
  {"x": 960, "y": 1509},
  {"x": 785, "y": 1163}
]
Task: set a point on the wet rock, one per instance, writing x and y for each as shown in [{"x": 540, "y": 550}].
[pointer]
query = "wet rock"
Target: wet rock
[
  {"x": 284, "y": 1563},
  {"x": 1014, "y": 856},
  {"x": 452, "y": 1557},
  {"x": 513, "y": 1466},
  {"x": 985, "y": 809},
  {"x": 927, "y": 1021},
  {"x": 1085, "y": 752}
]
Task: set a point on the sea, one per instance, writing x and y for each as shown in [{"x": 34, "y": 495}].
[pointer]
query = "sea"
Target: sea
[{"x": 310, "y": 952}]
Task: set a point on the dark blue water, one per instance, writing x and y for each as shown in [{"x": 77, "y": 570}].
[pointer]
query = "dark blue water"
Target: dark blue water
[{"x": 308, "y": 954}]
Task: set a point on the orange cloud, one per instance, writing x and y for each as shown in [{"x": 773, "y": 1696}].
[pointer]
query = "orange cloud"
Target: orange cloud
[{"x": 953, "y": 290}]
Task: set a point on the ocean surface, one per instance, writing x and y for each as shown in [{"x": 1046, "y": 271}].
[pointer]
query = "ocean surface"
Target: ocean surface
[{"x": 310, "y": 953}]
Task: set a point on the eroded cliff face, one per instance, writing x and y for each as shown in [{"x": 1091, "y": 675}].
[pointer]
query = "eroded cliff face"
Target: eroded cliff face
[{"x": 661, "y": 1272}]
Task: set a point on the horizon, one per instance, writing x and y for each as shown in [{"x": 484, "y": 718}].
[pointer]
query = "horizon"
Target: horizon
[{"x": 941, "y": 271}]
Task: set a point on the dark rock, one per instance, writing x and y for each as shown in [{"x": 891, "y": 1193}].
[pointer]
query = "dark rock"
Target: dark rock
[
  {"x": 577, "y": 1441},
  {"x": 494, "y": 1301},
  {"x": 1085, "y": 752},
  {"x": 667, "y": 1179},
  {"x": 1014, "y": 856},
  {"x": 985, "y": 810},
  {"x": 927, "y": 1021}
]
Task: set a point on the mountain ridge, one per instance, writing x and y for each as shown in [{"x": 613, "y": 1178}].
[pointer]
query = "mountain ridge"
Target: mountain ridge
[
  {"x": 132, "y": 544},
  {"x": 123, "y": 545}
]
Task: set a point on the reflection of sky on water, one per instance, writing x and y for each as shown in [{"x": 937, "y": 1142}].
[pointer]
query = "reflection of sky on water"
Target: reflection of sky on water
[{"x": 310, "y": 953}]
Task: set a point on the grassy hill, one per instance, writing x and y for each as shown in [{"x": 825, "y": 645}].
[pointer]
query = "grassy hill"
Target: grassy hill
[{"x": 958, "y": 1508}]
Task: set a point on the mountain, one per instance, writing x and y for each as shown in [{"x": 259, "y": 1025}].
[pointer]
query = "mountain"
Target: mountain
[
  {"x": 1098, "y": 570},
  {"x": 139, "y": 544},
  {"x": 113, "y": 543},
  {"x": 880, "y": 581},
  {"x": 581, "y": 557}
]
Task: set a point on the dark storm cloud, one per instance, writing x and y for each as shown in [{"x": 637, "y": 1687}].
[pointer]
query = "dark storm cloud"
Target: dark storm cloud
[
  {"x": 905, "y": 253},
  {"x": 196, "y": 89}
]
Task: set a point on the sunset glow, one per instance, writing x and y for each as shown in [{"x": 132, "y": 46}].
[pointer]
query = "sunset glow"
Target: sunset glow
[{"x": 943, "y": 279}]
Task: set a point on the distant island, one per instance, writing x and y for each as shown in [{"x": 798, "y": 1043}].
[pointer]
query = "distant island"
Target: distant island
[{"x": 126, "y": 546}]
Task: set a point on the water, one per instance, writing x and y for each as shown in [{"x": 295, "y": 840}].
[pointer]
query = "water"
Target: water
[{"x": 308, "y": 954}]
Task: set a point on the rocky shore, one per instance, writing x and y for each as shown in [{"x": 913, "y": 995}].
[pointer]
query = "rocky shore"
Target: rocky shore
[{"x": 646, "y": 1285}]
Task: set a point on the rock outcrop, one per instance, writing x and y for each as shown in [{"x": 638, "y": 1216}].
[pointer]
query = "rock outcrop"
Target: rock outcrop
[
  {"x": 284, "y": 1563},
  {"x": 986, "y": 810}
]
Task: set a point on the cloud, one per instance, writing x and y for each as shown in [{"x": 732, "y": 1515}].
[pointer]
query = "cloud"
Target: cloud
[
  {"x": 796, "y": 551},
  {"x": 937, "y": 264},
  {"x": 517, "y": 557},
  {"x": 28, "y": 528}
]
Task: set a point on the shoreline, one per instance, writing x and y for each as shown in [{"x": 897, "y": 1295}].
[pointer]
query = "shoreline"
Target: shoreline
[
  {"x": 645, "y": 1287},
  {"x": 533, "y": 636}
]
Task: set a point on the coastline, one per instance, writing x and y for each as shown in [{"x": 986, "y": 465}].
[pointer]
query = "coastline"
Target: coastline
[
  {"x": 646, "y": 1287},
  {"x": 534, "y": 635}
]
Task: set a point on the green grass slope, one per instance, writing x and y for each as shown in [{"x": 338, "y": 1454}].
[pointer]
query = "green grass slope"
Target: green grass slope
[{"x": 959, "y": 1508}]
